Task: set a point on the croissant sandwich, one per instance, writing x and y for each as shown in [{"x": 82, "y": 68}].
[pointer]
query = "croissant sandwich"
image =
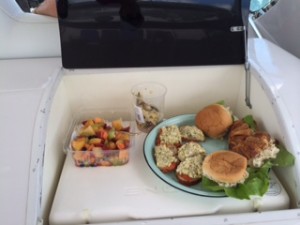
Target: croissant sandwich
[{"x": 256, "y": 146}]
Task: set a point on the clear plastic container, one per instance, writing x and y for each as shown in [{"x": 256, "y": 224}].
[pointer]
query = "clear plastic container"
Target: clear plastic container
[
  {"x": 148, "y": 103},
  {"x": 101, "y": 137}
]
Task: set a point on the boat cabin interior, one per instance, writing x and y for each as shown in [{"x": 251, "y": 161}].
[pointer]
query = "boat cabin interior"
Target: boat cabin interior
[{"x": 243, "y": 54}]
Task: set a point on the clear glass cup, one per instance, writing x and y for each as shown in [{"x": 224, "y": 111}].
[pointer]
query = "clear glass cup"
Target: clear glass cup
[{"x": 148, "y": 104}]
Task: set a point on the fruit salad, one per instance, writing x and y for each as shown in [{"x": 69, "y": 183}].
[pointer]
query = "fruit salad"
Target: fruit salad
[{"x": 97, "y": 142}]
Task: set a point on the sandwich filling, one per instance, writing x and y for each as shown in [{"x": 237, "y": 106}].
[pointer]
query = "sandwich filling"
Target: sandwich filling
[
  {"x": 228, "y": 184},
  {"x": 226, "y": 168},
  {"x": 269, "y": 153},
  {"x": 164, "y": 156},
  {"x": 191, "y": 133},
  {"x": 256, "y": 146},
  {"x": 170, "y": 135},
  {"x": 190, "y": 149},
  {"x": 191, "y": 167}
]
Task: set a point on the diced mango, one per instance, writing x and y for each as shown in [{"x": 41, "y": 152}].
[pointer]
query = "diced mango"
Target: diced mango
[
  {"x": 98, "y": 120},
  {"x": 87, "y": 131},
  {"x": 95, "y": 141},
  {"x": 78, "y": 143},
  {"x": 78, "y": 156},
  {"x": 89, "y": 123},
  {"x": 117, "y": 124},
  {"x": 105, "y": 163},
  {"x": 122, "y": 136},
  {"x": 124, "y": 155},
  {"x": 98, "y": 152}
]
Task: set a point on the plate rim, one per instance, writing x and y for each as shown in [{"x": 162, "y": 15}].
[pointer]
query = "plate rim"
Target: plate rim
[{"x": 178, "y": 186}]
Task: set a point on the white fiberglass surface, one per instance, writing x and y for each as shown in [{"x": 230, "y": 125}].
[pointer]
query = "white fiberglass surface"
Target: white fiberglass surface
[
  {"x": 27, "y": 35},
  {"x": 280, "y": 25},
  {"x": 189, "y": 89},
  {"x": 24, "y": 86},
  {"x": 27, "y": 74},
  {"x": 15, "y": 161},
  {"x": 59, "y": 121},
  {"x": 277, "y": 72}
]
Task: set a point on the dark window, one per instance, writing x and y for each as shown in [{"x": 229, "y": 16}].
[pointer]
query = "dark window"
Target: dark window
[{"x": 25, "y": 5}]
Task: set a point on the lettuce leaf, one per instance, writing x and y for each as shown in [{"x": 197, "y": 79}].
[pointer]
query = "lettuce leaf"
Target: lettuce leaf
[
  {"x": 210, "y": 185},
  {"x": 257, "y": 184},
  {"x": 221, "y": 102},
  {"x": 250, "y": 121},
  {"x": 284, "y": 158}
]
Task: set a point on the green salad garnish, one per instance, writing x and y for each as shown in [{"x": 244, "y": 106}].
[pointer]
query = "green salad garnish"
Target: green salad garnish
[
  {"x": 251, "y": 122},
  {"x": 221, "y": 102},
  {"x": 257, "y": 183}
]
